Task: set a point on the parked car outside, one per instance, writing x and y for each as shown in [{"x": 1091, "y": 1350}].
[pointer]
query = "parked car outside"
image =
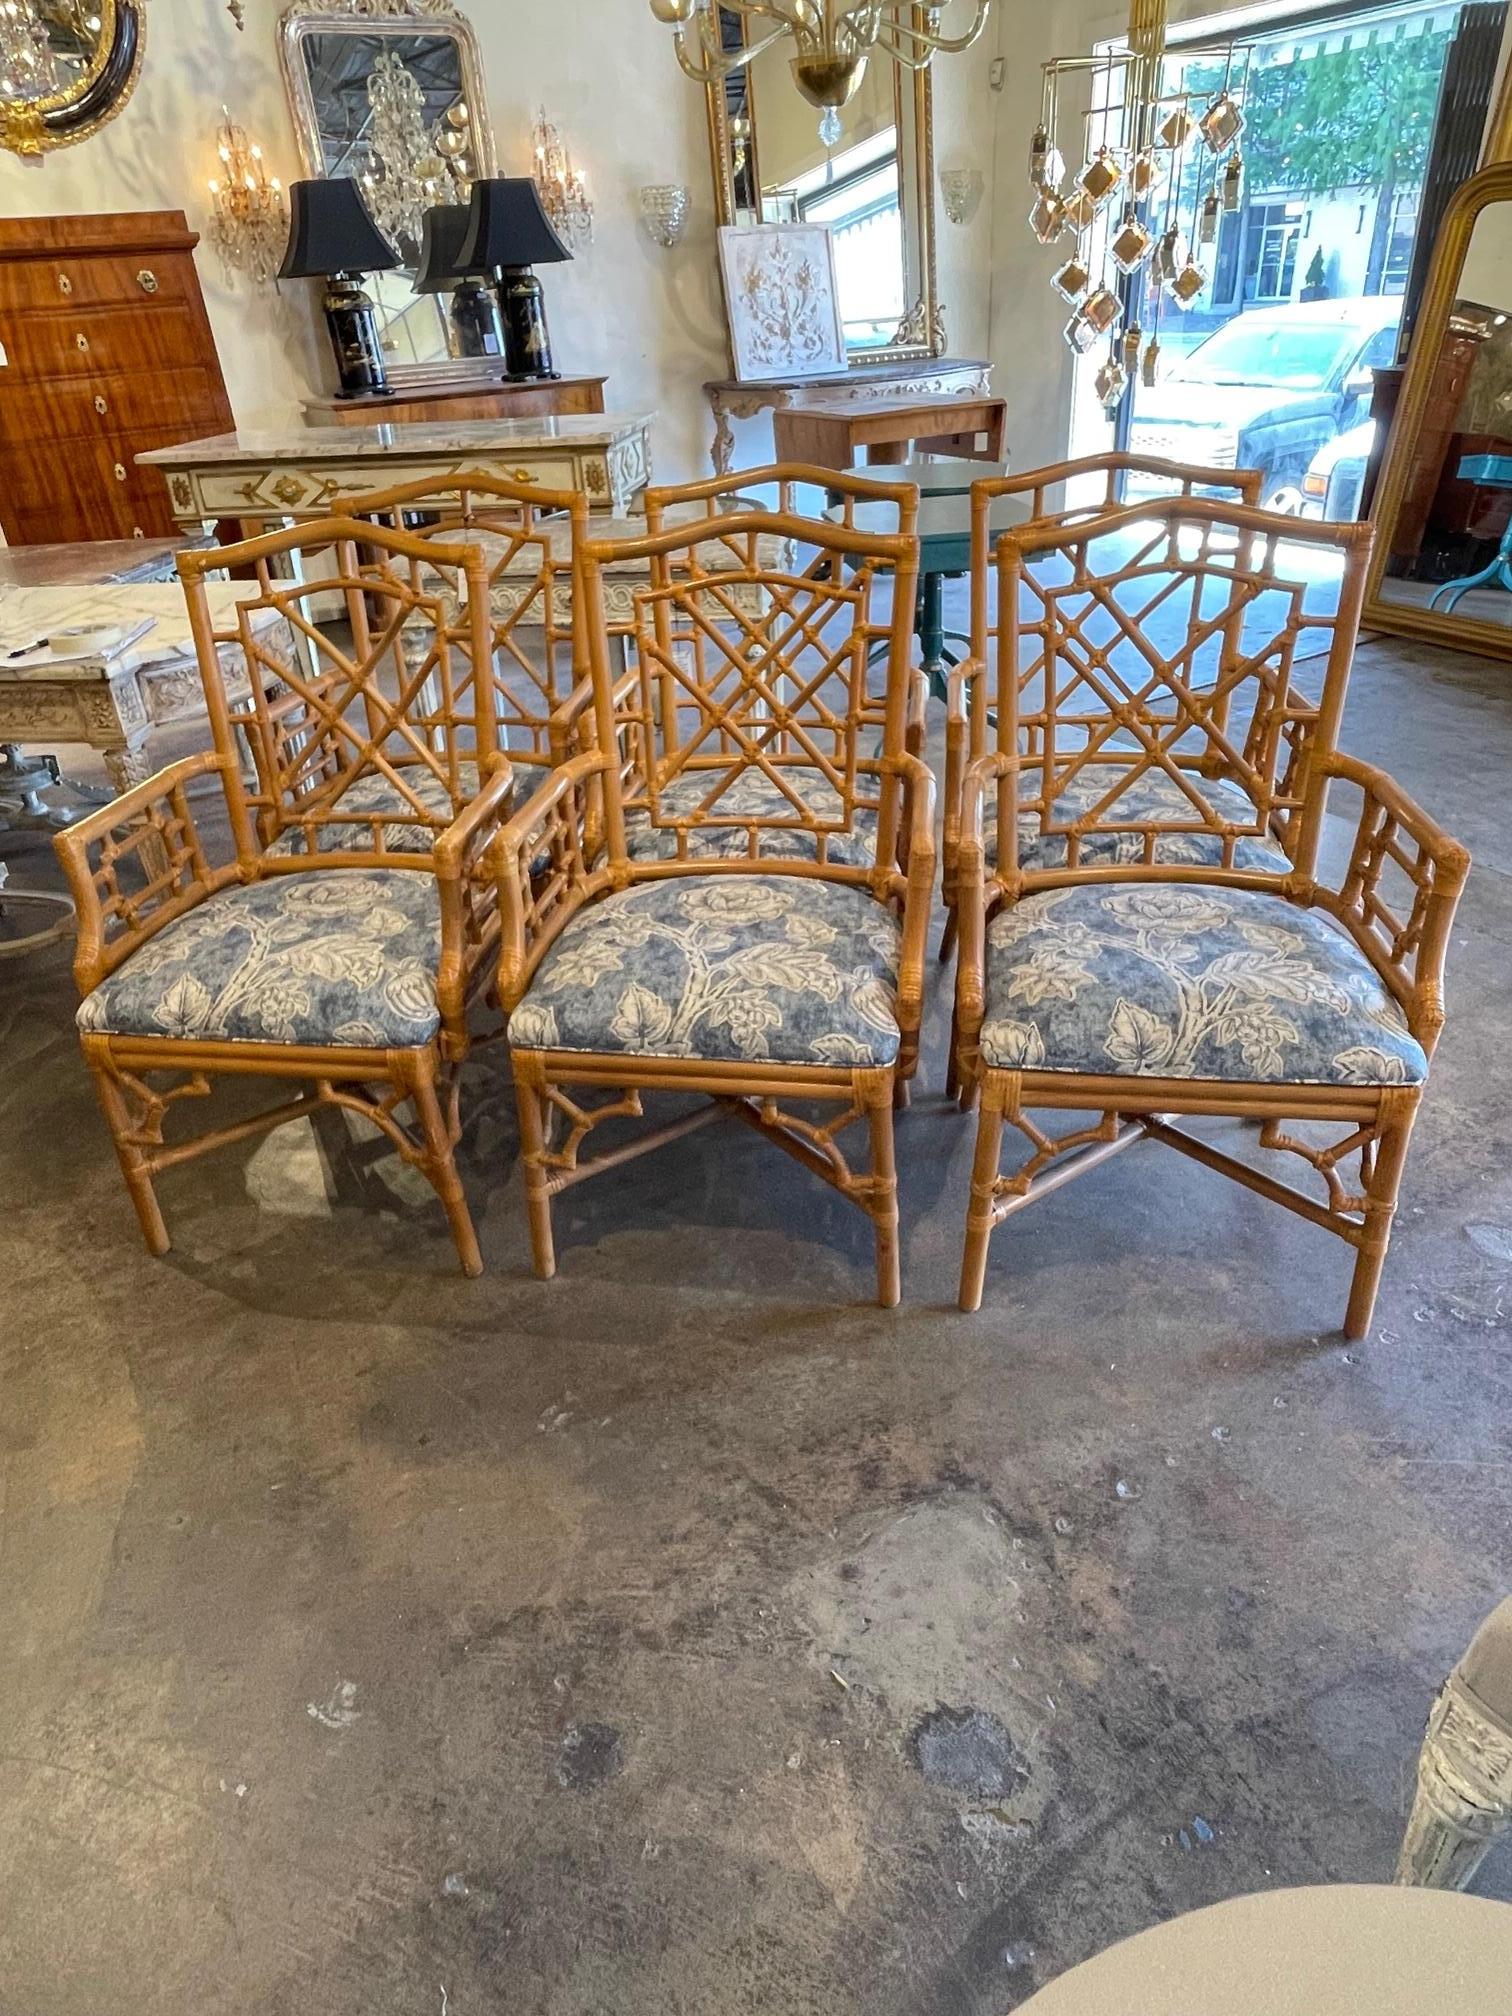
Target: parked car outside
[
  {"x": 1269, "y": 390},
  {"x": 1334, "y": 485}
]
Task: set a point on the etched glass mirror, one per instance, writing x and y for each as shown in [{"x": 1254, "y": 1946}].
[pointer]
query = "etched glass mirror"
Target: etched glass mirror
[{"x": 396, "y": 102}]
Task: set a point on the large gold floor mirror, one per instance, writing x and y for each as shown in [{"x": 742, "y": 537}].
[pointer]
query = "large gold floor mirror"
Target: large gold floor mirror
[{"x": 1443, "y": 558}]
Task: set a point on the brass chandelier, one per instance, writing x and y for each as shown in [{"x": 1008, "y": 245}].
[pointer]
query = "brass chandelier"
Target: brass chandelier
[
  {"x": 1126, "y": 208},
  {"x": 834, "y": 42}
]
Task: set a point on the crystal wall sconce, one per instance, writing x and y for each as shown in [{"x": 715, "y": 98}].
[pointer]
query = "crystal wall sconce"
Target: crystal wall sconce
[
  {"x": 563, "y": 190},
  {"x": 664, "y": 211},
  {"x": 249, "y": 218},
  {"x": 961, "y": 192}
]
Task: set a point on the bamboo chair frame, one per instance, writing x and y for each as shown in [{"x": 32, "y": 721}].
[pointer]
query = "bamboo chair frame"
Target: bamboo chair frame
[
  {"x": 739, "y": 697},
  {"x": 969, "y": 701},
  {"x": 1396, "y": 900},
  {"x": 137, "y": 865},
  {"x": 519, "y": 518}
]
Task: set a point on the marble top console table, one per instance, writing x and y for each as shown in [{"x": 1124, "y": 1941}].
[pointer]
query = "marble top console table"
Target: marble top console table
[
  {"x": 862, "y": 385},
  {"x": 270, "y": 478},
  {"x": 112, "y": 704}
]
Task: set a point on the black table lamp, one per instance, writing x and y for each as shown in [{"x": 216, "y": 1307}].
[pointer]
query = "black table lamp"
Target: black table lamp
[
  {"x": 477, "y": 327},
  {"x": 333, "y": 238},
  {"x": 508, "y": 228}
]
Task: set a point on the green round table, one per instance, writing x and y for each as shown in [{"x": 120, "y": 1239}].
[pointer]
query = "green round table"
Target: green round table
[{"x": 944, "y": 552}]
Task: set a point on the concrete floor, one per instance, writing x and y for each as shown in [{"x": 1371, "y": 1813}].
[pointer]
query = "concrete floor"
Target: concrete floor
[{"x": 688, "y": 1634}]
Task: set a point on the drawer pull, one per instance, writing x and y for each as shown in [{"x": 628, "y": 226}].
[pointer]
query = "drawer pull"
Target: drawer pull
[
  {"x": 101, "y": 403},
  {"x": 81, "y": 340},
  {"x": 137, "y": 532},
  {"x": 65, "y": 285},
  {"x": 120, "y": 472},
  {"x": 147, "y": 280}
]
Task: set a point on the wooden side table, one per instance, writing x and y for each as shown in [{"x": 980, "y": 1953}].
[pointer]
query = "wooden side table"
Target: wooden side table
[
  {"x": 860, "y": 385},
  {"x": 835, "y": 437}
]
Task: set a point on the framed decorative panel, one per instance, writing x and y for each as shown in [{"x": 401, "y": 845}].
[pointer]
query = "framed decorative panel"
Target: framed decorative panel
[{"x": 782, "y": 297}]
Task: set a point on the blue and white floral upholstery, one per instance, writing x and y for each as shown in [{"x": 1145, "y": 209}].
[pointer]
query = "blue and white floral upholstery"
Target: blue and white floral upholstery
[
  {"x": 1167, "y": 980},
  {"x": 727, "y": 967},
  {"x": 339, "y": 956},
  {"x": 754, "y": 795},
  {"x": 1155, "y": 798},
  {"x": 378, "y": 793}
]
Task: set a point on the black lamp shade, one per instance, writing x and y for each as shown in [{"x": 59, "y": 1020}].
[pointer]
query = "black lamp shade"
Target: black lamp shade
[
  {"x": 508, "y": 226},
  {"x": 440, "y": 268},
  {"x": 331, "y": 231}
]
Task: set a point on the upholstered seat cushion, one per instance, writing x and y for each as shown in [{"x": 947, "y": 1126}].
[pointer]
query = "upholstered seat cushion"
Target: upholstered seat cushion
[
  {"x": 1155, "y": 798},
  {"x": 722, "y": 967},
  {"x": 1172, "y": 980},
  {"x": 753, "y": 794},
  {"x": 337, "y": 956},
  {"x": 376, "y": 792}
]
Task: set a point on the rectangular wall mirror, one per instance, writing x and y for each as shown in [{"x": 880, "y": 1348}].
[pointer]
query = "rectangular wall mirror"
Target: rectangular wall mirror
[
  {"x": 1443, "y": 560},
  {"x": 874, "y": 187},
  {"x": 397, "y": 102}
]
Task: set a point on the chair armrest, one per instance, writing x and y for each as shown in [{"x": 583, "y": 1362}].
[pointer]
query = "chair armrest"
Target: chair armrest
[
  {"x": 136, "y": 864},
  {"x": 918, "y": 893},
  {"x": 535, "y": 905},
  {"x": 1399, "y": 893},
  {"x": 469, "y": 895},
  {"x": 960, "y": 698},
  {"x": 971, "y": 893}
]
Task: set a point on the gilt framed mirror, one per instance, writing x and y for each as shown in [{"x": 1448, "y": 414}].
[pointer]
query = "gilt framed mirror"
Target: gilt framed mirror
[
  {"x": 392, "y": 95},
  {"x": 1442, "y": 565},
  {"x": 873, "y": 187},
  {"x": 72, "y": 65}
]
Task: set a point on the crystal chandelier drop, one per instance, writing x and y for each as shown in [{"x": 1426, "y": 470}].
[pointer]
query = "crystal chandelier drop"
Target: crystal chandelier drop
[
  {"x": 563, "y": 190},
  {"x": 250, "y": 218},
  {"x": 1160, "y": 168},
  {"x": 28, "y": 66},
  {"x": 411, "y": 170},
  {"x": 833, "y": 42}
]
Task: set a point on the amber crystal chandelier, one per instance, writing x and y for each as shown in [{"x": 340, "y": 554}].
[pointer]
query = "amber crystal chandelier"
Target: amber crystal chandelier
[
  {"x": 832, "y": 43},
  {"x": 1159, "y": 167}
]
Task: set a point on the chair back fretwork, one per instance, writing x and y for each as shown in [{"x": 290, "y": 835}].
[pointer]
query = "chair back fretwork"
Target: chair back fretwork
[
  {"x": 750, "y": 683},
  {"x": 1160, "y": 645},
  {"x": 529, "y": 537},
  {"x": 366, "y": 735}
]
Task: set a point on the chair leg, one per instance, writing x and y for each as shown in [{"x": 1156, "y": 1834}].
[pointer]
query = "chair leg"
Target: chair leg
[
  {"x": 1398, "y": 1112},
  {"x": 440, "y": 1165},
  {"x": 884, "y": 1199},
  {"x": 133, "y": 1162},
  {"x": 984, "y": 1176},
  {"x": 537, "y": 1195}
]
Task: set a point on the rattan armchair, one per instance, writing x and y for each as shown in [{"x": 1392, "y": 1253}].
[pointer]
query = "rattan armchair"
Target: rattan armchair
[
  {"x": 1165, "y": 946},
  {"x": 971, "y": 687},
  {"x": 339, "y": 941},
  {"x": 744, "y": 931}
]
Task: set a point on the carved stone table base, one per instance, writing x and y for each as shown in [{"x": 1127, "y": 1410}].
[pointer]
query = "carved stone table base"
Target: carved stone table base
[{"x": 1464, "y": 1788}]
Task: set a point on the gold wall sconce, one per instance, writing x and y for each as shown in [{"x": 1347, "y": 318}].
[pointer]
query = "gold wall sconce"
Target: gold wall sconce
[{"x": 249, "y": 219}]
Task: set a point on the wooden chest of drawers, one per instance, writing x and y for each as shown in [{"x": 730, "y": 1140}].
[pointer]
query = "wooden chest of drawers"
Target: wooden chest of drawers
[{"x": 107, "y": 351}]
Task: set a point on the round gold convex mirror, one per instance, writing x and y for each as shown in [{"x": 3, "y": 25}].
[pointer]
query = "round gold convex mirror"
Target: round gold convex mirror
[{"x": 66, "y": 69}]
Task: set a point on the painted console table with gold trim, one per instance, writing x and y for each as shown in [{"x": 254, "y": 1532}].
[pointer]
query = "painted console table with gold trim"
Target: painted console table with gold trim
[
  {"x": 267, "y": 479},
  {"x": 862, "y": 385}
]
